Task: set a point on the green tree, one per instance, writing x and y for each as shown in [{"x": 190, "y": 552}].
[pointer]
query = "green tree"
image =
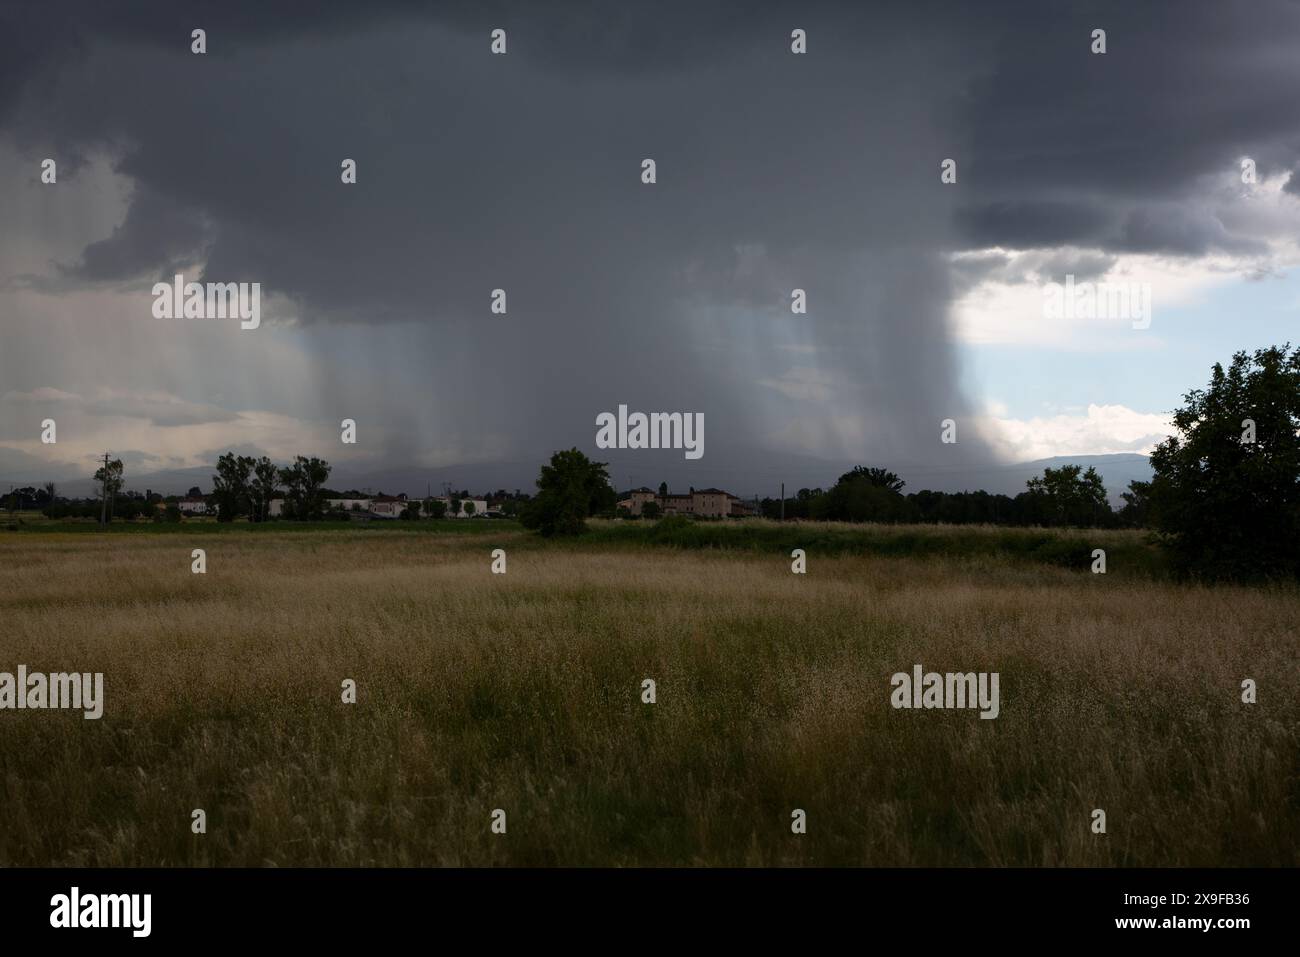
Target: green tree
[
  {"x": 880, "y": 478},
  {"x": 303, "y": 481},
  {"x": 469, "y": 509},
  {"x": 1136, "y": 511},
  {"x": 1226, "y": 491},
  {"x": 110, "y": 478},
  {"x": 231, "y": 486},
  {"x": 1069, "y": 496},
  {"x": 435, "y": 508},
  {"x": 863, "y": 495},
  {"x": 265, "y": 486},
  {"x": 649, "y": 510},
  {"x": 569, "y": 490}
]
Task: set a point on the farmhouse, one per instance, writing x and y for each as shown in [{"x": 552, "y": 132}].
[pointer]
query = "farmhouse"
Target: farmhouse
[
  {"x": 388, "y": 506},
  {"x": 699, "y": 502},
  {"x": 193, "y": 506}
]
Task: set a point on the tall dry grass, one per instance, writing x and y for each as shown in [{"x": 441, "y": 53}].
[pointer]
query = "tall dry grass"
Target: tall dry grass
[{"x": 522, "y": 692}]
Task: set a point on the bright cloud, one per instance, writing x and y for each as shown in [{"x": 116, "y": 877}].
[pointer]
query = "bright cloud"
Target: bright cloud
[
  {"x": 1098, "y": 430},
  {"x": 1003, "y": 301}
]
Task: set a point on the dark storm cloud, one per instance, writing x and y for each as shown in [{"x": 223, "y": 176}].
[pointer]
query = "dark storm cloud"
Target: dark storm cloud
[
  {"x": 1022, "y": 224},
  {"x": 157, "y": 235},
  {"x": 1068, "y": 147},
  {"x": 1036, "y": 266},
  {"x": 1166, "y": 228},
  {"x": 775, "y": 172}
]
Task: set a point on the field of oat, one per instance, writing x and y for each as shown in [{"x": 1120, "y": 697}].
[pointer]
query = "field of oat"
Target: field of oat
[{"x": 523, "y": 692}]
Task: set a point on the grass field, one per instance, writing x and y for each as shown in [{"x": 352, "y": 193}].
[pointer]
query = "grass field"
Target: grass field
[{"x": 523, "y": 692}]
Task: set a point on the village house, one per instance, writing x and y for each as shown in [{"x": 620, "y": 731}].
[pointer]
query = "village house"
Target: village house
[
  {"x": 388, "y": 506},
  {"x": 699, "y": 502},
  {"x": 349, "y": 504},
  {"x": 193, "y": 506}
]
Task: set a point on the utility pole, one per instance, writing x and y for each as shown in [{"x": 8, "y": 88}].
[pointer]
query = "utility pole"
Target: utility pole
[
  {"x": 783, "y": 501},
  {"x": 103, "y": 509}
]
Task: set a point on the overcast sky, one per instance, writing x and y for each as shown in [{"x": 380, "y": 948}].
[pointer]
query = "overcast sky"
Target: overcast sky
[{"x": 775, "y": 171}]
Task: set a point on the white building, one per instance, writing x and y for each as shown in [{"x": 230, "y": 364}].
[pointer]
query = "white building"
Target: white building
[
  {"x": 276, "y": 508},
  {"x": 388, "y": 506},
  {"x": 193, "y": 506}
]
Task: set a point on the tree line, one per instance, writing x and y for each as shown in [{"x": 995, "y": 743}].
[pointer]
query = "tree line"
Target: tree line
[
  {"x": 1224, "y": 498},
  {"x": 1065, "y": 496},
  {"x": 245, "y": 486}
]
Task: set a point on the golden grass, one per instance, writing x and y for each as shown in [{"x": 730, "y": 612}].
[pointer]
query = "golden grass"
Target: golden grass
[{"x": 522, "y": 692}]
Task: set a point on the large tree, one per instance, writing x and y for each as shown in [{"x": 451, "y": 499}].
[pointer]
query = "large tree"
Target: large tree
[
  {"x": 265, "y": 485},
  {"x": 864, "y": 495},
  {"x": 569, "y": 489},
  {"x": 1069, "y": 496},
  {"x": 303, "y": 481},
  {"x": 1226, "y": 492},
  {"x": 231, "y": 486},
  {"x": 1137, "y": 504},
  {"x": 110, "y": 478}
]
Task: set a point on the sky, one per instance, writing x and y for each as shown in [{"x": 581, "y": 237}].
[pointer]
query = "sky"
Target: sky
[{"x": 822, "y": 171}]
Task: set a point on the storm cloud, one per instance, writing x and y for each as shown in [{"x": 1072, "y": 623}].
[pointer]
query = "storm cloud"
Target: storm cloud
[{"x": 522, "y": 172}]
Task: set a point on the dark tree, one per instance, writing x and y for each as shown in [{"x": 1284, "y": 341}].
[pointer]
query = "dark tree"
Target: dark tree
[
  {"x": 303, "y": 482},
  {"x": 110, "y": 479},
  {"x": 1069, "y": 496},
  {"x": 231, "y": 486},
  {"x": 1226, "y": 492},
  {"x": 1136, "y": 512},
  {"x": 863, "y": 495},
  {"x": 569, "y": 490},
  {"x": 265, "y": 485}
]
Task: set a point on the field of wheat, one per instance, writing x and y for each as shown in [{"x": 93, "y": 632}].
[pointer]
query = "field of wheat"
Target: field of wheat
[{"x": 523, "y": 692}]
